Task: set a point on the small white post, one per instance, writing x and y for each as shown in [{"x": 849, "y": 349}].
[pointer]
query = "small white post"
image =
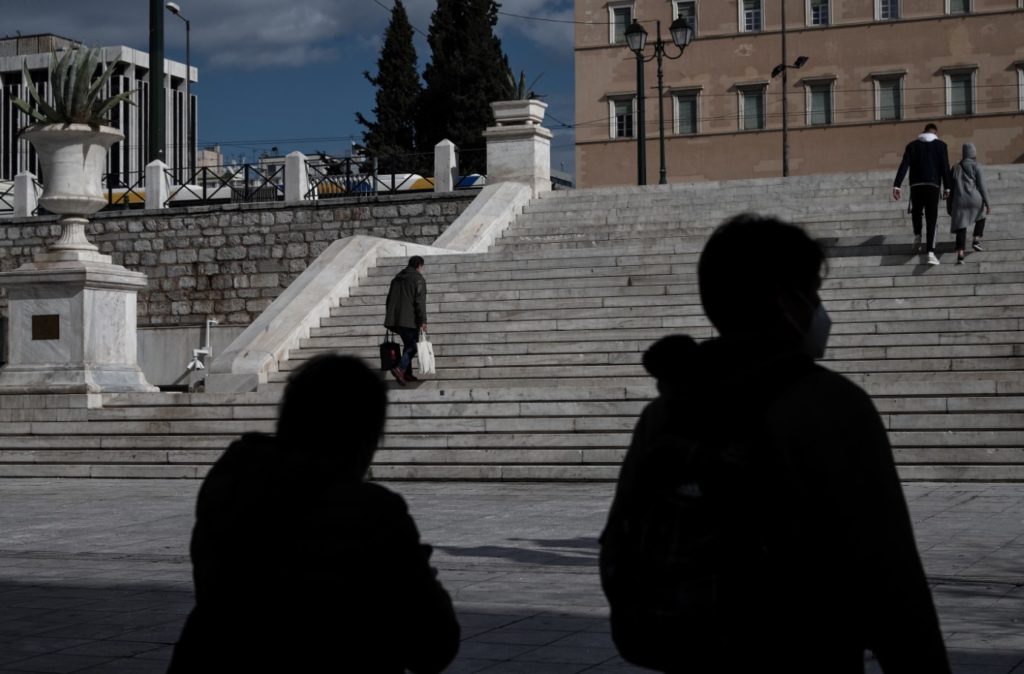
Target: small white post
[
  {"x": 444, "y": 166},
  {"x": 26, "y": 197},
  {"x": 158, "y": 190},
  {"x": 296, "y": 178}
]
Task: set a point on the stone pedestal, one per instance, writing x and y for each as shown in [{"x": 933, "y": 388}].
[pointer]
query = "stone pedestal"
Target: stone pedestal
[
  {"x": 72, "y": 325},
  {"x": 519, "y": 148},
  {"x": 71, "y": 311}
]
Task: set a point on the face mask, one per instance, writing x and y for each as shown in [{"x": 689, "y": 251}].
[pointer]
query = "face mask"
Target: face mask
[{"x": 816, "y": 337}]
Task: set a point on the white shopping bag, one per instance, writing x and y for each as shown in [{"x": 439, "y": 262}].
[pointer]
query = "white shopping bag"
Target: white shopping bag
[{"x": 425, "y": 354}]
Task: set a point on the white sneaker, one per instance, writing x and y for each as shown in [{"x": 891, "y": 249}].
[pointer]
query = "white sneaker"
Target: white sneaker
[
  {"x": 932, "y": 259},
  {"x": 917, "y": 245}
]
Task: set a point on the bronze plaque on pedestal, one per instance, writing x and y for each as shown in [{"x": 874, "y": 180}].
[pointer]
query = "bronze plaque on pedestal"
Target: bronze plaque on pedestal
[{"x": 45, "y": 327}]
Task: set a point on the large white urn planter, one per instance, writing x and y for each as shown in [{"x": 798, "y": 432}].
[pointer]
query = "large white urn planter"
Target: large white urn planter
[
  {"x": 73, "y": 158},
  {"x": 72, "y": 313},
  {"x": 528, "y": 111}
]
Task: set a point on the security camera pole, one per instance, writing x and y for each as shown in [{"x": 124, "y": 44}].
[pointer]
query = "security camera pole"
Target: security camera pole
[{"x": 157, "y": 101}]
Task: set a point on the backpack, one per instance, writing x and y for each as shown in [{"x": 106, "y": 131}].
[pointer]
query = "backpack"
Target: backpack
[{"x": 692, "y": 570}]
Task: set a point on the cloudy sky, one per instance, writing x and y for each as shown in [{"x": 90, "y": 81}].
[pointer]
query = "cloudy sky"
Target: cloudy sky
[{"x": 288, "y": 73}]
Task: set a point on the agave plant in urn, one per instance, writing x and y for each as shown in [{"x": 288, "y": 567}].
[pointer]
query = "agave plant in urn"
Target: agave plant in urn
[{"x": 72, "y": 135}]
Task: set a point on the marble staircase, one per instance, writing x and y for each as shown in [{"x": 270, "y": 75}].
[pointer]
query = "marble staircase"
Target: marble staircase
[{"x": 539, "y": 341}]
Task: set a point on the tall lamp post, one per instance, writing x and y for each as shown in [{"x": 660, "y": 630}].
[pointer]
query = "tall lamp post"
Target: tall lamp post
[
  {"x": 783, "y": 68},
  {"x": 157, "y": 139},
  {"x": 176, "y": 11},
  {"x": 636, "y": 40}
]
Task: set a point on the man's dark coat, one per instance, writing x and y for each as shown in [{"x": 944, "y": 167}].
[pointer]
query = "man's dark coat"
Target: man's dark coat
[
  {"x": 928, "y": 163},
  {"x": 407, "y": 301}
]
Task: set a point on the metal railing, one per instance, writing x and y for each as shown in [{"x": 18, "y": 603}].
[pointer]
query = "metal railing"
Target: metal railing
[
  {"x": 238, "y": 184},
  {"x": 7, "y": 198},
  {"x": 125, "y": 190},
  {"x": 358, "y": 176}
]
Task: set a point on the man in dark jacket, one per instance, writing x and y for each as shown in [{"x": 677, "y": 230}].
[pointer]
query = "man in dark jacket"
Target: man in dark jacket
[
  {"x": 300, "y": 564},
  {"x": 927, "y": 159},
  {"x": 406, "y": 314},
  {"x": 758, "y": 513}
]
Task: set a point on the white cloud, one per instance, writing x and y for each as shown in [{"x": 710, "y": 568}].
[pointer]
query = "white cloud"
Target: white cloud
[
  {"x": 260, "y": 33},
  {"x": 253, "y": 33},
  {"x": 548, "y": 28}
]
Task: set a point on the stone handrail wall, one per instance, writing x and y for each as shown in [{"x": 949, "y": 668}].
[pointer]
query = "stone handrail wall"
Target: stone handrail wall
[{"x": 230, "y": 262}]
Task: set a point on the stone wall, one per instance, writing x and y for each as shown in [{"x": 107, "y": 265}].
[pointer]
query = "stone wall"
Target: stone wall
[{"x": 228, "y": 263}]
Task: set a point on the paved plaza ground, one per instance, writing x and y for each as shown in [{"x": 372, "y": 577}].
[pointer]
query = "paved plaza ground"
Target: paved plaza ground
[{"x": 95, "y": 576}]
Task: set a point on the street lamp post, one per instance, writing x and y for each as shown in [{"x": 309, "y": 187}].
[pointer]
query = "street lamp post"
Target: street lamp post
[
  {"x": 157, "y": 112},
  {"x": 176, "y": 11},
  {"x": 783, "y": 68},
  {"x": 636, "y": 40}
]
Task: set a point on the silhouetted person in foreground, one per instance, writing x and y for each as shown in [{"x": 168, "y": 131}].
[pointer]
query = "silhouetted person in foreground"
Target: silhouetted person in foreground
[
  {"x": 759, "y": 523},
  {"x": 300, "y": 564}
]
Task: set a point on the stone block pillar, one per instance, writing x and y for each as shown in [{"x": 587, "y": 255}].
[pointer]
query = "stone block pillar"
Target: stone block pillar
[
  {"x": 445, "y": 166},
  {"x": 518, "y": 147},
  {"x": 296, "y": 178},
  {"x": 158, "y": 190},
  {"x": 26, "y": 197}
]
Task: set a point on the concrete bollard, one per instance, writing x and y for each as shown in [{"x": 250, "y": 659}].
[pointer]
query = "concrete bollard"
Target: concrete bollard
[
  {"x": 26, "y": 196},
  {"x": 445, "y": 166},
  {"x": 296, "y": 178},
  {"x": 158, "y": 189}
]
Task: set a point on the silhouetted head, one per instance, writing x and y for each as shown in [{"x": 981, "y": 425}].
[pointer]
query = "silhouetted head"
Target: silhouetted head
[
  {"x": 416, "y": 262},
  {"x": 931, "y": 128},
  {"x": 970, "y": 152},
  {"x": 759, "y": 277},
  {"x": 333, "y": 411}
]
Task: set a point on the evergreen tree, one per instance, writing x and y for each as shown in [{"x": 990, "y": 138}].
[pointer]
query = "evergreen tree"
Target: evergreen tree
[
  {"x": 398, "y": 92},
  {"x": 467, "y": 72}
]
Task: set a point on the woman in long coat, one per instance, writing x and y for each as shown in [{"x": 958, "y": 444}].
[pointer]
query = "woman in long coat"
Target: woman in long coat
[{"x": 968, "y": 201}]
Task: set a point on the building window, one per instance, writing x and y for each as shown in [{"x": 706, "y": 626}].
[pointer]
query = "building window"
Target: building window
[
  {"x": 958, "y": 6},
  {"x": 889, "y": 98},
  {"x": 960, "y": 92},
  {"x": 819, "y": 103},
  {"x": 1020, "y": 86},
  {"x": 887, "y": 10},
  {"x": 623, "y": 112},
  {"x": 750, "y": 17},
  {"x": 687, "y": 112},
  {"x": 687, "y": 9},
  {"x": 752, "y": 107},
  {"x": 818, "y": 13},
  {"x": 619, "y": 18}
]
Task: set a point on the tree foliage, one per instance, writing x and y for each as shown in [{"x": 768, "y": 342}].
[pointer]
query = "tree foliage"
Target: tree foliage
[
  {"x": 467, "y": 72},
  {"x": 393, "y": 132}
]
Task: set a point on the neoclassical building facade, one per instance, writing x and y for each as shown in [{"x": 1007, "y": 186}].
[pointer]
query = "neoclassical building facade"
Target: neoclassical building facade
[{"x": 876, "y": 72}]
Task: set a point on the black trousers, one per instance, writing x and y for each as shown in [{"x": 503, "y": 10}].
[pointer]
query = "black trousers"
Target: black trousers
[
  {"x": 924, "y": 200},
  {"x": 410, "y": 338},
  {"x": 961, "y": 234}
]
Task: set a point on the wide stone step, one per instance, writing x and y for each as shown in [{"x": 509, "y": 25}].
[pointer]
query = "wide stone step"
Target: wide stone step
[
  {"x": 912, "y": 273},
  {"x": 895, "y": 255},
  {"x": 646, "y": 336},
  {"x": 996, "y": 237},
  {"x": 457, "y": 355},
  {"x": 951, "y": 303},
  {"x": 440, "y": 320}
]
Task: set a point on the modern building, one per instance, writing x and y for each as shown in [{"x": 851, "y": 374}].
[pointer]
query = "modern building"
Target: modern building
[
  {"x": 127, "y": 158},
  {"x": 877, "y": 71}
]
